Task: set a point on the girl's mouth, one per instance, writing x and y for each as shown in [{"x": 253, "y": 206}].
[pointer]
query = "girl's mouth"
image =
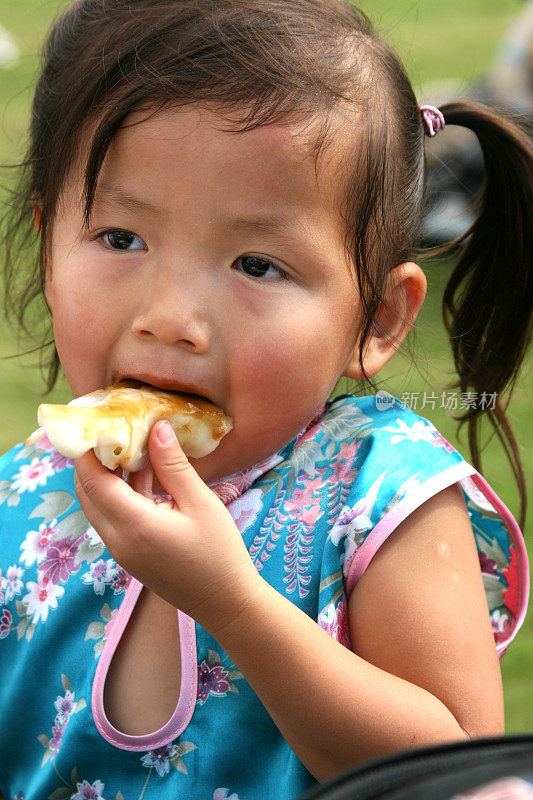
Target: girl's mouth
[{"x": 163, "y": 384}]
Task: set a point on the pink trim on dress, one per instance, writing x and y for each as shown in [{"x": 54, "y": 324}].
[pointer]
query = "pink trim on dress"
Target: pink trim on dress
[
  {"x": 188, "y": 685},
  {"x": 515, "y": 535}
]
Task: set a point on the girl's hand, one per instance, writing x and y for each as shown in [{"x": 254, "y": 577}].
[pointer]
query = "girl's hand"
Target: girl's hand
[{"x": 188, "y": 551}]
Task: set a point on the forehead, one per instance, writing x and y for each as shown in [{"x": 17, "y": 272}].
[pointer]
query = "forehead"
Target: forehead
[{"x": 272, "y": 161}]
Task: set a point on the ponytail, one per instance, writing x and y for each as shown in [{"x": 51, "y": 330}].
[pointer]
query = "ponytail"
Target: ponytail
[{"x": 488, "y": 300}]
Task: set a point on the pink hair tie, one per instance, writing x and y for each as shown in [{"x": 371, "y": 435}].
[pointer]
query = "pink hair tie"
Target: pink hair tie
[{"x": 433, "y": 119}]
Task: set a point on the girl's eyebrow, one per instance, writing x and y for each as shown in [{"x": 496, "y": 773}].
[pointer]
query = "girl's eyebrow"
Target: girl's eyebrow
[
  {"x": 108, "y": 193},
  {"x": 264, "y": 224},
  {"x": 267, "y": 224}
]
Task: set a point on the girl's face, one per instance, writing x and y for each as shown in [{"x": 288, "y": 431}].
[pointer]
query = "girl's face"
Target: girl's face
[{"x": 214, "y": 264}]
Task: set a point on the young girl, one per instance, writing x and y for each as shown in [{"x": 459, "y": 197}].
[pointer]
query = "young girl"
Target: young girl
[{"x": 227, "y": 195}]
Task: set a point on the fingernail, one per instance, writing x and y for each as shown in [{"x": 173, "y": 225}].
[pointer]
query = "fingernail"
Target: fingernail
[{"x": 164, "y": 432}]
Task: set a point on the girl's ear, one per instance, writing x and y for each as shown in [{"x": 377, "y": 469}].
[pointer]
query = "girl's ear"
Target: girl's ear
[
  {"x": 405, "y": 293},
  {"x": 37, "y": 210}
]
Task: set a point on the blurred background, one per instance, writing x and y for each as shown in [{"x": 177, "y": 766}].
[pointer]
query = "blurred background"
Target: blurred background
[{"x": 461, "y": 48}]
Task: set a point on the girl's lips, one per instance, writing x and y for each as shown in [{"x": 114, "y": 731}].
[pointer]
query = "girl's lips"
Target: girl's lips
[{"x": 164, "y": 384}]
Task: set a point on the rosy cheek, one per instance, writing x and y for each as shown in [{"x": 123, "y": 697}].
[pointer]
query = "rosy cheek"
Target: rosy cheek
[
  {"x": 264, "y": 362},
  {"x": 273, "y": 370},
  {"x": 74, "y": 328},
  {"x": 86, "y": 309}
]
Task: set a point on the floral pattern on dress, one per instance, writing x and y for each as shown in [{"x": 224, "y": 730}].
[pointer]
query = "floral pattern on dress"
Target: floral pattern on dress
[
  {"x": 244, "y": 509},
  {"x": 27, "y": 479},
  {"x": 499, "y": 568},
  {"x": 354, "y": 522},
  {"x": 30, "y": 476},
  {"x": 296, "y": 516},
  {"x": 66, "y": 706},
  {"x": 37, "y": 542},
  {"x": 418, "y": 431},
  {"x": 160, "y": 759},
  {"x": 476, "y": 495},
  {"x": 169, "y": 755},
  {"x": 265, "y": 540},
  {"x": 121, "y": 580},
  {"x": 101, "y": 574},
  {"x": 328, "y": 440},
  {"x": 60, "y": 560},
  {"x": 222, "y": 794},
  {"x": 79, "y": 789},
  {"x": 303, "y": 510},
  {"x": 100, "y": 629},
  {"x": 334, "y": 620},
  {"x": 42, "y": 596},
  {"x": 501, "y": 625},
  {"x": 502, "y": 616},
  {"x": 89, "y": 791},
  {"x": 11, "y": 585},
  {"x": 234, "y": 486},
  {"x": 56, "y": 549},
  {"x": 214, "y": 679},
  {"x": 340, "y": 480},
  {"x": 6, "y": 620},
  {"x": 439, "y": 441}
]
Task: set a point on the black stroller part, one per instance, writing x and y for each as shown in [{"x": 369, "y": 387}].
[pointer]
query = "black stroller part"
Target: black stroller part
[{"x": 434, "y": 773}]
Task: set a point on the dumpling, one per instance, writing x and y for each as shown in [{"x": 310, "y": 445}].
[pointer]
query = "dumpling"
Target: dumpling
[{"x": 116, "y": 421}]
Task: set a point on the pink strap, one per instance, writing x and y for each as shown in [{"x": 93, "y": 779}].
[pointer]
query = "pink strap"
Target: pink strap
[{"x": 188, "y": 685}]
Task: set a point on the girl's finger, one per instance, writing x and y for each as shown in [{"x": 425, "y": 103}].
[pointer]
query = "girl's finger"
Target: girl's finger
[
  {"x": 107, "y": 501},
  {"x": 173, "y": 469}
]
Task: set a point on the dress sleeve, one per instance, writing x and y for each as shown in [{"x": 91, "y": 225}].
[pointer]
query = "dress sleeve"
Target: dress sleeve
[{"x": 398, "y": 460}]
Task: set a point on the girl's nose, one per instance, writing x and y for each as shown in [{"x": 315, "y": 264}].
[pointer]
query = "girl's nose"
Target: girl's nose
[{"x": 173, "y": 322}]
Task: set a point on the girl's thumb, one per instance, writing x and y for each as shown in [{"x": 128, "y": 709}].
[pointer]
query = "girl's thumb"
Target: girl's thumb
[{"x": 172, "y": 467}]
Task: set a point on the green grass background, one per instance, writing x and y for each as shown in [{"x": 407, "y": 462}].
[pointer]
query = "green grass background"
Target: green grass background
[{"x": 439, "y": 42}]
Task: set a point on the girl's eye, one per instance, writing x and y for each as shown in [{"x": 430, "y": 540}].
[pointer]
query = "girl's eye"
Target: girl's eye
[
  {"x": 257, "y": 267},
  {"x": 123, "y": 240}
]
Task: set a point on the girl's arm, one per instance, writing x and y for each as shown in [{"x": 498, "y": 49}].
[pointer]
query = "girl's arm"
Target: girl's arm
[
  {"x": 424, "y": 670},
  {"x": 420, "y": 612}
]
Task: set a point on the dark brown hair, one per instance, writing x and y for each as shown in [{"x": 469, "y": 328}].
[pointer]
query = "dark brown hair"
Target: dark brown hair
[{"x": 273, "y": 60}]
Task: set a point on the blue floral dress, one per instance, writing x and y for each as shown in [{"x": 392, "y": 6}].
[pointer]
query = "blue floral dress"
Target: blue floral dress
[{"x": 312, "y": 517}]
